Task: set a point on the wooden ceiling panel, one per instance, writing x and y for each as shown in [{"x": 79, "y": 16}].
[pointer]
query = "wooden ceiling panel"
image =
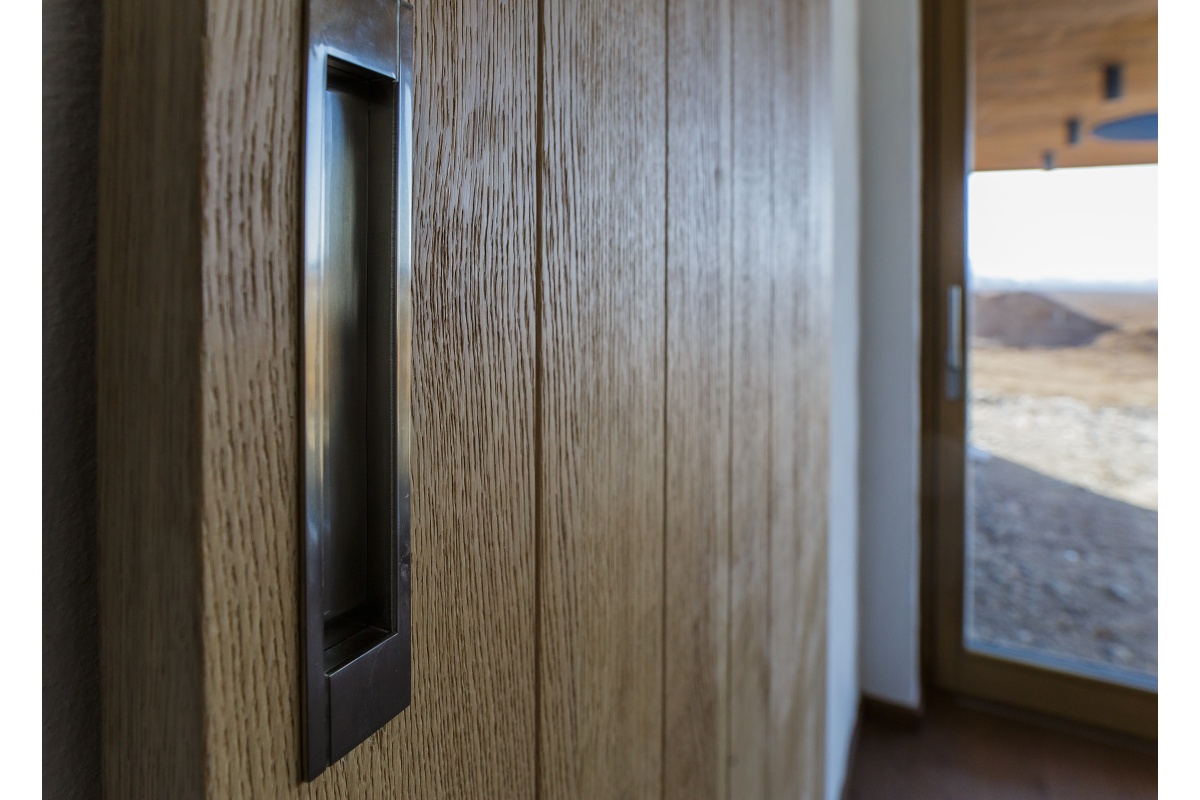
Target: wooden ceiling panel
[{"x": 1038, "y": 63}]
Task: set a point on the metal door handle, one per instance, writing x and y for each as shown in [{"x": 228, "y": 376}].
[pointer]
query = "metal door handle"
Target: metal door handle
[
  {"x": 954, "y": 344},
  {"x": 356, "y": 371}
]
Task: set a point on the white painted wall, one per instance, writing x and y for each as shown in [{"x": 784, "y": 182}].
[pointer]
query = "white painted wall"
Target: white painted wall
[
  {"x": 889, "y": 61},
  {"x": 842, "y": 687}
]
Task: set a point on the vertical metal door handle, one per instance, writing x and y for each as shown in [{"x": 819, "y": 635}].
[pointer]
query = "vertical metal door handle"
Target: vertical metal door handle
[
  {"x": 356, "y": 373},
  {"x": 954, "y": 344}
]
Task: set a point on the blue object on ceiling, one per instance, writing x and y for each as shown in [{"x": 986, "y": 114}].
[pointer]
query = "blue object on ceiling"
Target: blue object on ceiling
[{"x": 1138, "y": 128}]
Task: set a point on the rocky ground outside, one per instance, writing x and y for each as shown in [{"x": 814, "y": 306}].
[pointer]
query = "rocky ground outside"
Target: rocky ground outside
[{"x": 1062, "y": 544}]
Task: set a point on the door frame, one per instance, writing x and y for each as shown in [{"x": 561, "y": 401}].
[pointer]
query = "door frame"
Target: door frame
[{"x": 946, "y": 662}]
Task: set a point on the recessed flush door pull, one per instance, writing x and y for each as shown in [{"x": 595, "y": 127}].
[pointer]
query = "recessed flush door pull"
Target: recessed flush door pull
[{"x": 356, "y": 373}]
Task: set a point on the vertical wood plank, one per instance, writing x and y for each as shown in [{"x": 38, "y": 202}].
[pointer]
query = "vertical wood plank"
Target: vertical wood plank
[
  {"x": 800, "y": 398},
  {"x": 753, "y": 267},
  {"x": 470, "y": 729},
  {"x": 249, "y": 523},
  {"x": 695, "y": 757},
  {"x": 148, "y": 400},
  {"x": 787, "y": 699},
  {"x": 602, "y": 399}
]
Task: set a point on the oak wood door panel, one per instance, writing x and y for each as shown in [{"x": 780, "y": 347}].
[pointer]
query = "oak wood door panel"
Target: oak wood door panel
[
  {"x": 753, "y": 437},
  {"x": 698, "y": 273},
  {"x": 620, "y": 399},
  {"x": 800, "y": 403},
  {"x": 602, "y": 399},
  {"x": 249, "y": 369},
  {"x": 474, "y": 360}
]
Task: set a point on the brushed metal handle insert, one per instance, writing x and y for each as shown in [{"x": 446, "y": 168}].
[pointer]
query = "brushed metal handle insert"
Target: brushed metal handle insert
[
  {"x": 954, "y": 343},
  {"x": 356, "y": 373}
]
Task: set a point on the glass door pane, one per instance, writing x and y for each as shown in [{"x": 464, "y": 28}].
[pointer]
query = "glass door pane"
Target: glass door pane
[{"x": 1062, "y": 420}]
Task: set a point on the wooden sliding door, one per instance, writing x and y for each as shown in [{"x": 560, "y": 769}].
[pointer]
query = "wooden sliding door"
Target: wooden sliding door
[{"x": 620, "y": 391}]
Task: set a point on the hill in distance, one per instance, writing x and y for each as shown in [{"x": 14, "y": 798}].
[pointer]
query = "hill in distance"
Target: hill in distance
[{"x": 1030, "y": 319}]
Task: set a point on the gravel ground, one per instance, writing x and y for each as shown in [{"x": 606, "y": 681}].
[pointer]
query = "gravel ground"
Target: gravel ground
[
  {"x": 1111, "y": 451},
  {"x": 1064, "y": 556}
]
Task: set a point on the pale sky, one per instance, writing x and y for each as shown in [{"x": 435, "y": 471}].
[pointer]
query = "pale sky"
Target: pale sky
[{"x": 1094, "y": 224}]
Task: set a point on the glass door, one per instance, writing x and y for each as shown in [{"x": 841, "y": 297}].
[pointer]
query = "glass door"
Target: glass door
[
  {"x": 1062, "y": 420},
  {"x": 1041, "y": 337}
]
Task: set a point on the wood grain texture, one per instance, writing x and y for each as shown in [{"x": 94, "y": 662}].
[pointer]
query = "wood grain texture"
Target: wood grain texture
[
  {"x": 148, "y": 400},
  {"x": 620, "y": 397},
  {"x": 799, "y": 404},
  {"x": 696, "y": 634},
  {"x": 1037, "y": 63},
  {"x": 602, "y": 399},
  {"x": 250, "y": 452},
  {"x": 752, "y": 436},
  {"x": 815, "y": 387},
  {"x": 469, "y": 731}
]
